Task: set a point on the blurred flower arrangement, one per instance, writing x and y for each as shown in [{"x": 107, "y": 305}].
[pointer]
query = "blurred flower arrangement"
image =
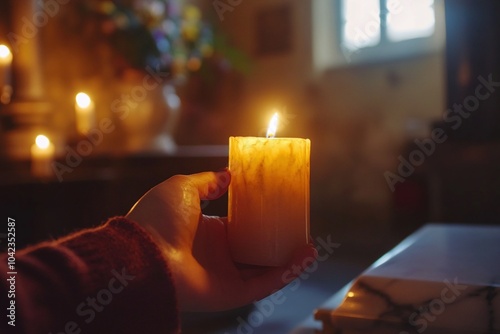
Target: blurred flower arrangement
[
  {"x": 157, "y": 33},
  {"x": 108, "y": 47}
]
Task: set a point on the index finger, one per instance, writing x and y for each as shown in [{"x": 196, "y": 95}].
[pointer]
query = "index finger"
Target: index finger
[{"x": 211, "y": 185}]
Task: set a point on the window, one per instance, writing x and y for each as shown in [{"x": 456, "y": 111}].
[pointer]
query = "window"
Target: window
[
  {"x": 408, "y": 19},
  {"x": 381, "y": 27},
  {"x": 351, "y": 32}
]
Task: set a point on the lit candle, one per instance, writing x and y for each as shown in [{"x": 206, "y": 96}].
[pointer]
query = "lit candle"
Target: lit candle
[
  {"x": 85, "y": 113},
  {"x": 5, "y": 68},
  {"x": 268, "y": 216},
  {"x": 42, "y": 155}
]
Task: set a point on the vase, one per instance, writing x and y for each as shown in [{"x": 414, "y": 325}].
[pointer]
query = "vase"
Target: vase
[{"x": 148, "y": 117}]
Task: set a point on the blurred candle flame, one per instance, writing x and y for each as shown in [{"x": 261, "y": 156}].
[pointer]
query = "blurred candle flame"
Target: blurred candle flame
[
  {"x": 5, "y": 53},
  {"x": 273, "y": 125},
  {"x": 42, "y": 141},
  {"x": 83, "y": 100}
]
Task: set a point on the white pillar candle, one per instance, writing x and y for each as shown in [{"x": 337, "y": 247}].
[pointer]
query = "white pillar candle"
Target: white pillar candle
[
  {"x": 42, "y": 155},
  {"x": 268, "y": 215},
  {"x": 85, "y": 113}
]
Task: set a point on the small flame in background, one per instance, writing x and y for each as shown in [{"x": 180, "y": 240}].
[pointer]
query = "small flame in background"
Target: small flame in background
[
  {"x": 5, "y": 53},
  {"x": 83, "y": 100},
  {"x": 273, "y": 125},
  {"x": 42, "y": 141}
]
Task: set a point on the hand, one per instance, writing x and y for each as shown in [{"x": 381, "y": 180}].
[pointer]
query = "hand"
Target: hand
[{"x": 196, "y": 249}]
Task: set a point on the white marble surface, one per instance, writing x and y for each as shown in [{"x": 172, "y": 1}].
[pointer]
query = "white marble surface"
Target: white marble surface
[{"x": 441, "y": 279}]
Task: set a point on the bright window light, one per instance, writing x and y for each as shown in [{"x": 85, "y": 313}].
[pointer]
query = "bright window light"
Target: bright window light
[
  {"x": 404, "y": 19},
  {"x": 409, "y": 19},
  {"x": 361, "y": 23},
  {"x": 355, "y": 32}
]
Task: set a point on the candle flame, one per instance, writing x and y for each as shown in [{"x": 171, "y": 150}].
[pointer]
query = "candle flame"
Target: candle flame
[
  {"x": 273, "y": 125},
  {"x": 83, "y": 100},
  {"x": 5, "y": 52},
  {"x": 42, "y": 141}
]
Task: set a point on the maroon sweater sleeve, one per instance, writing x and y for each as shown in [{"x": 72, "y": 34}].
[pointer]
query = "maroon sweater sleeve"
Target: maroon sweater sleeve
[{"x": 111, "y": 279}]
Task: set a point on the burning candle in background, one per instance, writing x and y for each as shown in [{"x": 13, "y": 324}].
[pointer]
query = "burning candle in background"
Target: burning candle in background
[
  {"x": 268, "y": 214},
  {"x": 5, "y": 74},
  {"x": 42, "y": 155},
  {"x": 5, "y": 65},
  {"x": 85, "y": 113}
]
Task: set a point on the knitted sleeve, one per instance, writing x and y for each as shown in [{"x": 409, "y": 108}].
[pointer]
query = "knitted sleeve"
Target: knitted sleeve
[{"x": 110, "y": 279}]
